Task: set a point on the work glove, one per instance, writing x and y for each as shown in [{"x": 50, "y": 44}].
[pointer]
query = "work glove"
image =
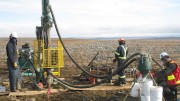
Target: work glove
[{"x": 15, "y": 65}]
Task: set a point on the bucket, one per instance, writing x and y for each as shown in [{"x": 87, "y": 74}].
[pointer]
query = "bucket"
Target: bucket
[
  {"x": 92, "y": 80},
  {"x": 134, "y": 91},
  {"x": 156, "y": 93},
  {"x": 146, "y": 87},
  {"x": 145, "y": 98},
  {"x": 156, "y": 99}
]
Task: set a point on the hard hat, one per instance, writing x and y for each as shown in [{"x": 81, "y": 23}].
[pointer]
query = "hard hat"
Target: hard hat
[
  {"x": 163, "y": 54},
  {"x": 14, "y": 34},
  {"x": 121, "y": 40}
]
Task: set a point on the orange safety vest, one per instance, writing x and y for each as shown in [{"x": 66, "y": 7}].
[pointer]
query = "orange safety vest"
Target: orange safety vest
[{"x": 174, "y": 78}]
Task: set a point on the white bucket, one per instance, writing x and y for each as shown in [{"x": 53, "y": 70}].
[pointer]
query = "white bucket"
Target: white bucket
[
  {"x": 155, "y": 99},
  {"x": 148, "y": 81},
  {"x": 146, "y": 87},
  {"x": 156, "y": 92},
  {"x": 134, "y": 91},
  {"x": 145, "y": 98}
]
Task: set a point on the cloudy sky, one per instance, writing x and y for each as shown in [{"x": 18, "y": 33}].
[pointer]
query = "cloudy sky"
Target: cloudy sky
[{"x": 94, "y": 18}]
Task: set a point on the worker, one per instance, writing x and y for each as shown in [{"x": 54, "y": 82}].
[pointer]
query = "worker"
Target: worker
[
  {"x": 172, "y": 74},
  {"x": 12, "y": 62},
  {"x": 120, "y": 57}
]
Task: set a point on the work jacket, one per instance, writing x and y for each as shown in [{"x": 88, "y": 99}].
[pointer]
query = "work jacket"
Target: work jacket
[
  {"x": 121, "y": 52},
  {"x": 173, "y": 78},
  {"x": 11, "y": 51}
]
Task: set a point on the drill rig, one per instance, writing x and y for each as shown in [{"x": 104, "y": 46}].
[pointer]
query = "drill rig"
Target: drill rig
[
  {"x": 48, "y": 60},
  {"x": 46, "y": 57}
]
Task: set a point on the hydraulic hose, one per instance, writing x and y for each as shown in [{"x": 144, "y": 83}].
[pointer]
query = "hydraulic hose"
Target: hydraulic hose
[
  {"x": 59, "y": 36},
  {"x": 96, "y": 76},
  {"x": 88, "y": 86}
]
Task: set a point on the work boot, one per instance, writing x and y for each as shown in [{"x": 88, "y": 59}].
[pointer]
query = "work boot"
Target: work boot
[
  {"x": 124, "y": 81},
  {"x": 116, "y": 83},
  {"x": 18, "y": 86}
]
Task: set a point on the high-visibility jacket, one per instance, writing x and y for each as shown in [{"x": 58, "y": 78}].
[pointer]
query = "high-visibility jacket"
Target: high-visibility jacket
[
  {"x": 121, "y": 52},
  {"x": 174, "y": 77}
]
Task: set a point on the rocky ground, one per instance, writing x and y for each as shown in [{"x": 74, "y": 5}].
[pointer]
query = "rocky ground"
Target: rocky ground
[{"x": 83, "y": 51}]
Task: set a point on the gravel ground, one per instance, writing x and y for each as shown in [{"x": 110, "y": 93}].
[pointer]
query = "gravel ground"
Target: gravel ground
[{"x": 83, "y": 51}]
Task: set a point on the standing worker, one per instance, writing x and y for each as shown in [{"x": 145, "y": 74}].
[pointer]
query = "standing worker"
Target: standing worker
[
  {"x": 120, "y": 57},
  {"x": 172, "y": 72},
  {"x": 12, "y": 61}
]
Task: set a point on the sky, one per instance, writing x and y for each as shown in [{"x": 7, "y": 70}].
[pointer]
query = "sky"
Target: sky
[{"x": 94, "y": 18}]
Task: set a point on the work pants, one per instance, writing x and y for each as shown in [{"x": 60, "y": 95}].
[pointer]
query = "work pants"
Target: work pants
[
  {"x": 121, "y": 73},
  {"x": 18, "y": 78},
  {"x": 14, "y": 76},
  {"x": 170, "y": 93}
]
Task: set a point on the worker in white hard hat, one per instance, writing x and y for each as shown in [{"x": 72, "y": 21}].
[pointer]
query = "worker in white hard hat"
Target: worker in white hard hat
[
  {"x": 12, "y": 61},
  {"x": 172, "y": 74}
]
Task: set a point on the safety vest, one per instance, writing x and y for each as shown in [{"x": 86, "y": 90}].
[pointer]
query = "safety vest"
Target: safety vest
[
  {"x": 124, "y": 57},
  {"x": 174, "y": 78},
  {"x": 122, "y": 76}
]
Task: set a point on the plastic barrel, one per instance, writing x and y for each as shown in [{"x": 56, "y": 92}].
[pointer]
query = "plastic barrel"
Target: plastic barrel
[
  {"x": 146, "y": 87},
  {"x": 134, "y": 91},
  {"x": 145, "y": 98},
  {"x": 156, "y": 93}
]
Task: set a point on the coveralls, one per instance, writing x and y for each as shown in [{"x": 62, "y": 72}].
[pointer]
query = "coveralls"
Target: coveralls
[
  {"x": 120, "y": 56},
  {"x": 172, "y": 95},
  {"x": 169, "y": 92},
  {"x": 14, "y": 74}
]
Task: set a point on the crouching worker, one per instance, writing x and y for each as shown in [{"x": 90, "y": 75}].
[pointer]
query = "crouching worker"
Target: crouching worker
[
  {"x": 12, "y": 63},
  {"x": 172, "y": 74}
]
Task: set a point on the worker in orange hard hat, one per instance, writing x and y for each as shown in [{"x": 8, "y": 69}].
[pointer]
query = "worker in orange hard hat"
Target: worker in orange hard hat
[
  {"x": 120, "y": 57},
  {"x": 121, "y": 40}
]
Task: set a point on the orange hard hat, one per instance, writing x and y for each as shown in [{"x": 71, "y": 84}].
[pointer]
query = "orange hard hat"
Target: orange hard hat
[{"x": 121, "y": 40}]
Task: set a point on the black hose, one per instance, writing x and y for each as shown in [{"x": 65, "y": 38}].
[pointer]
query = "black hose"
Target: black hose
[
  {"x": 92, "y": 85},
  {"x": 56, "y": 27},
  {"x": 97, "y": 76}
]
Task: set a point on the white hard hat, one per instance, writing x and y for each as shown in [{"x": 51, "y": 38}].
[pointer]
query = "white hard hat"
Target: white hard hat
[
  {"x": 14, "y": 34},
  {"x": 163, "y": 54}
]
